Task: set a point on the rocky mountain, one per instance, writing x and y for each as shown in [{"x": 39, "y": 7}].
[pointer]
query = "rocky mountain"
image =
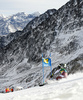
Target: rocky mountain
[
  {"x": 15, "y": 22},
  {"x": 56, "y": 31}
]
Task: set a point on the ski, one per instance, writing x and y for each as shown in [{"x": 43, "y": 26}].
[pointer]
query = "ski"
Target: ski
[{"x": 43, "y": 84}]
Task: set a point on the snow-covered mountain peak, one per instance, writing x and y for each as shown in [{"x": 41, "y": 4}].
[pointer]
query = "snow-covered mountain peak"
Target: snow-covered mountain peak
[
  {"x": 2, "y": 16},
  {"x": 20, "y": 14},
  {"x": 36, "y": 13},
  {"x": 16, "y": 22}
]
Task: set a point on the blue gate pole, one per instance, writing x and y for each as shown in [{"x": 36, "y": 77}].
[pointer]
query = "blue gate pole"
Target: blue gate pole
[
  {"x": 43, "y": 73},
  {"x": 51, "y": 69},
  {"x": 51, "y": 66},
  {"x": 42, "y": 68}
]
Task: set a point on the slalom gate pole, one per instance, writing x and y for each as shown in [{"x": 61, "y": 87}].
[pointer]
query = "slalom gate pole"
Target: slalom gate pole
[
  {"x": 51, "y": 65},
  {"x": 42, "y": 68}
]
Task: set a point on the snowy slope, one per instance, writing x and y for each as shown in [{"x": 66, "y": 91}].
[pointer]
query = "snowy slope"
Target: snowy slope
[
  {"x": 21, "y": 72},
  {"x": 65, "y": 89}
]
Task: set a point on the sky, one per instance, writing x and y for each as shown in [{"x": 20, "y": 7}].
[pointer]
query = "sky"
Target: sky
[{"x": 9, "y": 7}]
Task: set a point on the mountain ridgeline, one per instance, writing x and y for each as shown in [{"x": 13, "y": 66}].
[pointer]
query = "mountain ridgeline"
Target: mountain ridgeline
[
  {"x": 15, "y": 22},
  {"x": 56, "y": 31}
]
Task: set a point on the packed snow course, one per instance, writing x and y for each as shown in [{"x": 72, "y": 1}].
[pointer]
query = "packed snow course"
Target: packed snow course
[{"x": 65, "y": 89}]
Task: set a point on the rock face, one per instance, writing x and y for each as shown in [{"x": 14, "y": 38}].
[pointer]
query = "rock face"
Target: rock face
[
  {"x": 56, "y": 31},
  {"x": 11, "y": 27}
]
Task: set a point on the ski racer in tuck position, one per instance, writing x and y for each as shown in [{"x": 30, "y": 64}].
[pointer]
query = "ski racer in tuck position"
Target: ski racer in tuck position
[{"x": 62, "y": 71}]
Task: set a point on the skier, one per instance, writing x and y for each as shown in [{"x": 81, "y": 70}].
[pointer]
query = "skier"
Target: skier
[
  {"x": 12, "y": 89},
  {"x": 62, "y": 71},
  {"x": 7, "y": 90}
]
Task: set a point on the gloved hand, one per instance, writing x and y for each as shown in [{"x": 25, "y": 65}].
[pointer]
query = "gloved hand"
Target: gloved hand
[{"x": 51, "y": 76}]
